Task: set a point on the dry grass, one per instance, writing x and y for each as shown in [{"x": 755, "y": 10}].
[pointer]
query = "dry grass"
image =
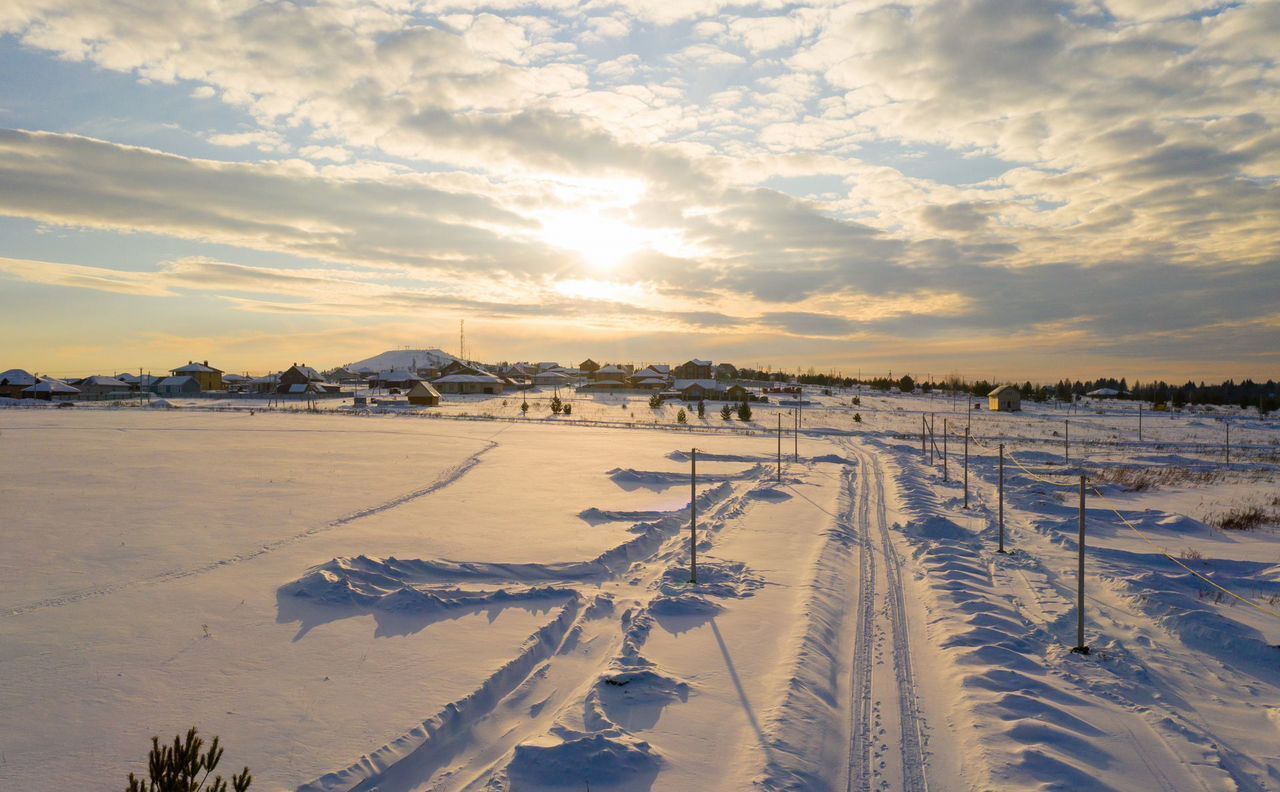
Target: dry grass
[
  {"x": 1245, "y": 518},
  {"x": 1148, "y": 478}
]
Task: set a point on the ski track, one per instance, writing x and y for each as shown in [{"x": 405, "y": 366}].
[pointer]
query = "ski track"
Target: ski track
[{"x": 445, "y": 479}]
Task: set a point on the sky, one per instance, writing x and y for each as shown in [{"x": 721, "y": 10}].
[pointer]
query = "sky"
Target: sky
[{"x": 995, "y": 189}]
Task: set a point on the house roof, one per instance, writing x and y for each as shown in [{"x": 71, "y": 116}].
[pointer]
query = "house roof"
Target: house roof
[
  {"x": 308, "y": 372},
  {"x": 175, "y": 381},
  {"x": 398, "y": 376},
  {"x": 17, "y": 377},
  {"x": 651, "y": 371},
  {"x": 104, "y": 382},
  {"x": 421, "y": 388},
  {"x": 50, "y": 385},
  {"x": 697, "y": 362},
  {"x": 197, "y": 368},
  {"x": 234, "y": 378},
  {"x": 611, "y": 369},
  {"x": 1103, "y": 392},
  {"x": 487, "y": 379},
  {"x": 706, "y": 384},
  {"x": 1004, "y": 388}
]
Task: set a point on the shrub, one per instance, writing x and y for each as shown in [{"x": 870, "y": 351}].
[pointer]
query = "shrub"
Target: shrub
[
  {"x": 655, "y": 401},
  {"x": 182, "y": 768},
  {"x": 702, "y": 409},
  {"x": 857, "y": 417},
  {"x": 726, "y": 412},
  {"x": 681, "y": 417},
  {"x": 556, "y": 404},
  {"x": 857, "y": 401},
  {"x": 524, "y": 407},
  {"x": 744, "y": 412},
  {"x": 568, "y": 409}
]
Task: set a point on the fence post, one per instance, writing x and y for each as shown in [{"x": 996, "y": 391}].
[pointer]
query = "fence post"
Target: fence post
[
  {"x": 1139, "y": 422},
  {"x": 966, "y": 468},
  {"x": 1080, "y": 644},
  {"x": 933, "y": 440},
  {"x": 779, "y": 448},
  {"x": 1001, "y": 548},
  {"x": 1066, "y": 443},
  {"x": 944, "y": 449},
  {"x": 693, "y": 516},
  {"x": 1228, "y": 425},
  {"x": 796, "y": 420},
  {"x": 922, "y": 425}
]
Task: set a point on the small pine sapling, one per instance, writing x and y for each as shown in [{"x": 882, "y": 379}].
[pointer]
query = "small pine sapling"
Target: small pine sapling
[
  {"x": 702, "y": 409},
  {"x": 524, "y": 407},
  {"x": 568, "y": 409},
  {"x": 655, "y": 401},
  {"x": 681, "y": 417},
  {"x": 744, "y": 412},
  {"x": 726, "y": 412},
  {"x": 182, "y": 768},
  {"x": 556, "y": 404},
  {"x": 857, "y": 417}
]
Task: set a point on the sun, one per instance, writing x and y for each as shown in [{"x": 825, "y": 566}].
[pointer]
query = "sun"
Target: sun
[{"x": 605, "y": 243}]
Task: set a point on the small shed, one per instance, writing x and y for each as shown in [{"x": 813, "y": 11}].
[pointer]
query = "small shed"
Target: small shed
[
  {"x": 423, "y": 393},
  {"x": 1005, "y": 398}
]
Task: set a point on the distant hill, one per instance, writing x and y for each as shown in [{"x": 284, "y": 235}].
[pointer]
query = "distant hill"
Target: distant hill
[{"x": 403, "y": 359}]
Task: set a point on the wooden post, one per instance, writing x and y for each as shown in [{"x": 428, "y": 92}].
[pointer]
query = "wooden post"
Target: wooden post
[
  {"x": 1080, "y": 644},
  {"x": 795, "y": 420},
  {"x": 932, "y": 440},
  {"x": 693, "y": 516},
  {"x": 1001, "y": 548},
  {"x": 966, "y": 468},
  {"x": 1228, "y": 424},
  {"x": 1139, "y": 422},
  {"x": 779, "y": 448},
  {"x": 944, "y": 449},
  {"x": 923, "y": 422},
  {"x": 1066, "y": 443}
]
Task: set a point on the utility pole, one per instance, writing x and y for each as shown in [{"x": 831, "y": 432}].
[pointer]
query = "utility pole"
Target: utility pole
[
  {"x": 1080, "y": 646},
  {"x": 693, "y": 516},
  {"x": 1001, "y": 548}
]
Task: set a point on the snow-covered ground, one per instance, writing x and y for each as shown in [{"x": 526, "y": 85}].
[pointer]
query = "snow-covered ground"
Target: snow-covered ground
[{"x": 399, "y": 599}]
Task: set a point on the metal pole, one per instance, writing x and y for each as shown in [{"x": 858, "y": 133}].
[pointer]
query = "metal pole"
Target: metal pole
[
  {"x": 1080, "y": 645},
  {"x": 1001, "y": 548},
  {"x": 966, "y": 468},
  {"x": 933, "y": 442},
  {"x": 779, "y": 448},
  {"x": 795, "y": 420},
  {"x": 693, "y": 516},
  {"x": 1066, "y": 443},
  {"x": 1228, "y": 423},
  {"x": 1139, "y": 422},
  {"x": 922, "y": 425}
]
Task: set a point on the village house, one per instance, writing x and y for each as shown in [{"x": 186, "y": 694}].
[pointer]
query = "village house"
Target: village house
[
  {"x": 100, "y": 387},
  {"x": 304, "y": 379},
  {"x": 207, "y": 377},
  {"x": 423, "y": 394},
  {"x": 694, "y": 369},
  {"x": 13, "y": 381},
  {"x": 1005, "y": 398},
  {"x": 459, "y": 377},
  {"x": 610, "y": 373},
  {"x": 726, "y": 371},
  {"x": 552, "y": 379},
  {"x": 49, "y": 389},
  {"x": 693, "y": 390},
  {"x": 588, "y": 367},
  {"x": 401, "y": 379},
  {"x": 178, "y": 386}
]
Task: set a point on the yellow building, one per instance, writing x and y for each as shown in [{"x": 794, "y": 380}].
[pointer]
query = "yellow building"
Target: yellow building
[{"x": 208, "y": 377}]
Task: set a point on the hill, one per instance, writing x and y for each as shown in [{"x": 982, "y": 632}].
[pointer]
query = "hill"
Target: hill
[{"x": 403, "y": 359}]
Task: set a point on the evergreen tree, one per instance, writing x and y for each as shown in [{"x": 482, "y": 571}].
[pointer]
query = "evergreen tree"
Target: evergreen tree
[
  {"x": 524, "y": 407},
  {"x": 681, "y": 417},
  {"x": 726, "y": 412},
  {"x": 857, "y": 417},
  {"x": 568, "y": 408},
  {"x": 702, "y": 409},
  {"x": 183, "y": 768},
  {"x": 744, "y": 412},
  {"x": 556, "y": 404}
]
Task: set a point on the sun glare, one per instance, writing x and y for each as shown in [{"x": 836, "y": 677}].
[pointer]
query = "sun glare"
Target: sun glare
[{"x": 604, "y": 243}]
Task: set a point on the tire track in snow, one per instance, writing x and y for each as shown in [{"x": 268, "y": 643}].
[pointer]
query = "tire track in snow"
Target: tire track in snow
[
  {"x": 864, "y": 710},
  {"x": 912, "y": 742},
  {"x": 861, "y": 732},
  {"x": 446, "y": 478}
]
